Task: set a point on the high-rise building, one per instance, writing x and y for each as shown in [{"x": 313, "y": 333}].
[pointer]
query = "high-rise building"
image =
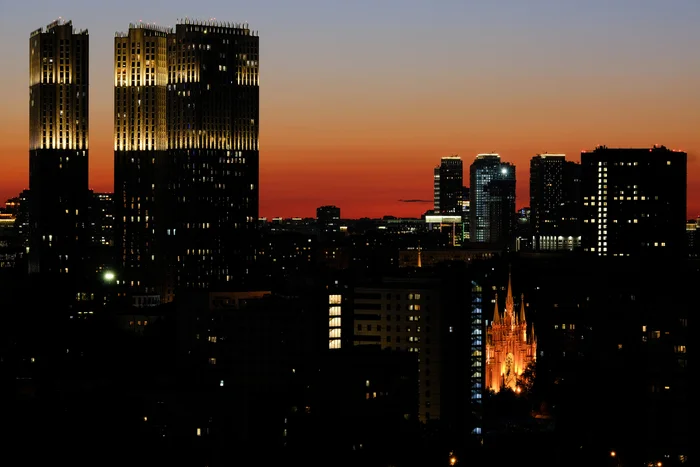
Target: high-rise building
[
  {"x": 186, "y": 155},
  {"x": 448, "y": 187},
  {"x": 546, "y": 196},
  {"x": 492, "y": 205},
  {"x": 58, "y": 150},
  {"x": 427, "y": 316},
  {"x": 141, "y": 157},
  {"x": 213, "y": 109},
  {"x": 634, "y": 202},
  {"x": 571, "y": 209},
  {"x": 554, "y": 192}
]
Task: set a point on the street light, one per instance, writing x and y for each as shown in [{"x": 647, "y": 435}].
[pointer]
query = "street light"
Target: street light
[
  {"x": 108, "y": 276},
  {"x": 453, "y": 458}
]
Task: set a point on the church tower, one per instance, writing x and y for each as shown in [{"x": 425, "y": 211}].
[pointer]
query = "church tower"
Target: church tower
[{"x": 510, "y": 344}]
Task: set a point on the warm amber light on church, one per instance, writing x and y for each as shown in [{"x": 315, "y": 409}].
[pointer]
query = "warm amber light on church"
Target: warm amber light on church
[{"x": 509, "y": 345}]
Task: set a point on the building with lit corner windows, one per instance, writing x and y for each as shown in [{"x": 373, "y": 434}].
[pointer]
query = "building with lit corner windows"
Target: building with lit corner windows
[
  {"x": 437, "y": 317},
  {"x": 58, "y": 150},
  {"x": 186, "y": 156},
  {"x": 634, "y": 202}
]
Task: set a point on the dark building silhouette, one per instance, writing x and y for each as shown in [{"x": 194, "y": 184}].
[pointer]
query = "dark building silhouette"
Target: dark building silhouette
[
  {"x": 102, "y": 231},
  {"x": 492, "y": 203},
  {"x": 328, "y": 220},
  {"x": 554, "y": 193},
  {"x": 571, "y": 209},
  {"x": 449, "y": 188},
  {"x": 466, "y": 211},
  {"x": 692, "y": 232},
  {"x": 10, "y": 243},
  {"x": 613, "y": 323},
  {"x": 19, "y": 207},
  {"x": 634, "y": 201},
  {"x": 501, "y": 206},
  {"x": 186, "y": 158},
  {"x": 523, "y": 229},
  {"x": 58, "y": 150}
]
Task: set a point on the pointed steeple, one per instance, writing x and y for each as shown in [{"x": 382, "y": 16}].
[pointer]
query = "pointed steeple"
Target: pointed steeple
[
  {"x": 521, "y": 318},
  {"x": 496, "y": 316},
  {"x": 509, "y": 297},
  {"x": 420, "y": 262}
]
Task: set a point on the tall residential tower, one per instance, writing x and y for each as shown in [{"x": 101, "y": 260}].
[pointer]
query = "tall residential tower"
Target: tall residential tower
[
  {"x": 58, "y": 150},
  {"x": 186, "y": 156},
  {"x": 140, "y": 157},
  {"x": 213, "y": 126}
]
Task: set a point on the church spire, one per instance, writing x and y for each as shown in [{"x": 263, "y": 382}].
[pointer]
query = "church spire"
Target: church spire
[
  {"x": 509, "y": 297},
  {"x": 521, "y": 318},
  {"x": 496, "y": 317},
  {"x": 420, "y": 263}
]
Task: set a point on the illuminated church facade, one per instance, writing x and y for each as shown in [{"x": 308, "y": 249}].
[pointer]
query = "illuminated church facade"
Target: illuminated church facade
[{"x": 510, "y": 344}]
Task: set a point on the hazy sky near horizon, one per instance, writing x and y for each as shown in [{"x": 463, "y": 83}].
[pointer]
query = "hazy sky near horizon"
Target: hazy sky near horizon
[{"x": 359, "y": 100}]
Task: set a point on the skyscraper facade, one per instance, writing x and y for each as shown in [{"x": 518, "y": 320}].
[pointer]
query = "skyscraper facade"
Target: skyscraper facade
[
  {"x": 213, "y": 134},
  {"x": 186, "y": 155},
  {"x": 140, "y": 157},
  {"x": 634, "y": 202},
  {"x": 492, "y": 205},
  {"x": 59, "y": 197},
  {"x": 448, "y": 186},
  {"x": 546, "y": 196},
  {"x": 554, "y": 201}
]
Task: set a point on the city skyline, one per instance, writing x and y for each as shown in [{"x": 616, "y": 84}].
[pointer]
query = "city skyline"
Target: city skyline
[{"x": 631, "y": 86}]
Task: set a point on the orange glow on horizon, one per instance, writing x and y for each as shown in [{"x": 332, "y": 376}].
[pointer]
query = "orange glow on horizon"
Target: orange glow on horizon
[{"x": 366, "y": 159}]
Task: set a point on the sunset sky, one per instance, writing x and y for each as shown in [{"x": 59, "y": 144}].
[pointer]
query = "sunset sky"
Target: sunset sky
[{"x": 360, "y": 99}]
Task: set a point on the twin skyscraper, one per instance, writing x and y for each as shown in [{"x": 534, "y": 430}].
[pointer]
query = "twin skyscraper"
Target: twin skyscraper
[{"x": 186, "y": 155}]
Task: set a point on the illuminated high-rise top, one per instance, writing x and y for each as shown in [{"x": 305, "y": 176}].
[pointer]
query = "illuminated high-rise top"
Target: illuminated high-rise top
[
  {"x": 58, "y": 87},
  {"x": 213, "y": 81},
  {"x": 58, "y": 149},
  {"x": 140, "y": 80}
]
